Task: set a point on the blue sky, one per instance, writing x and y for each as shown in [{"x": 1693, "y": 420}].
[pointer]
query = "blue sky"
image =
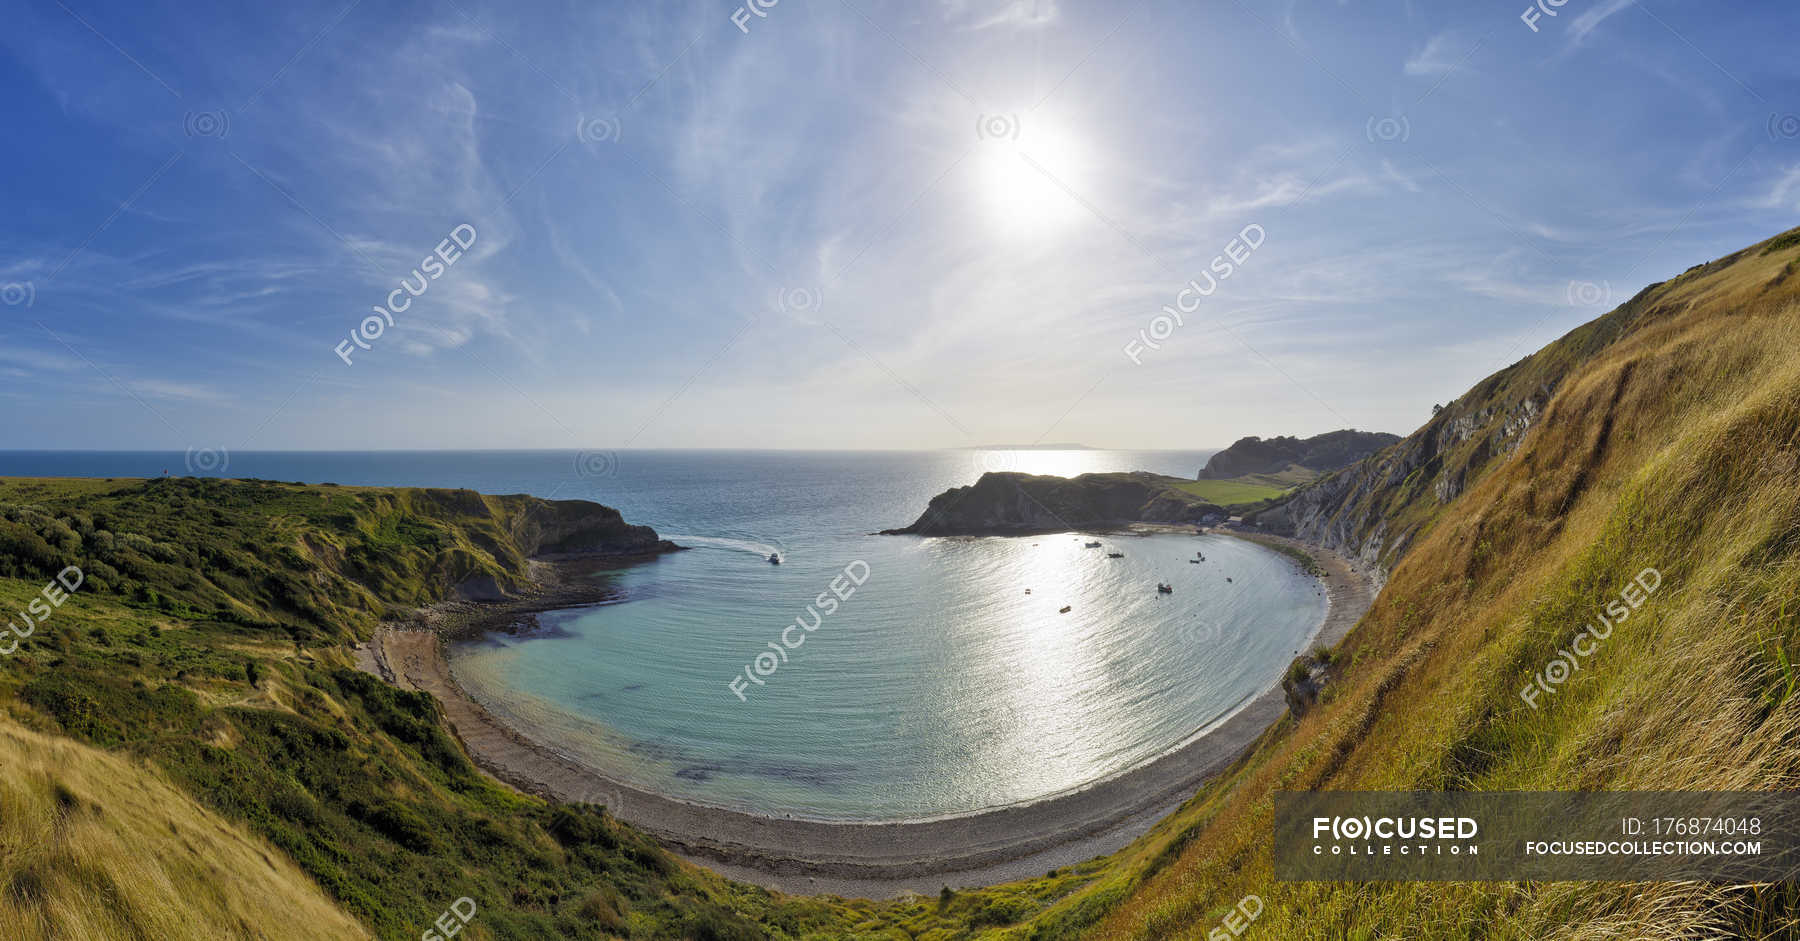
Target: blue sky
[{"x": 852, "y": 224}]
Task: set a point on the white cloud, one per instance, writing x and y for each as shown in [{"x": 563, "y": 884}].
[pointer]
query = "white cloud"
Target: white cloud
[
  {"x": 181, "y": 391},
  {"x": 1587, "y": 22},
  {"x": 1442, "y": 53},
  {"x": 1283, "y": 191},
  {"x": 1784, "y": 193},
  {"x": 1393, "y": 175},
  {"x": 1011, "y": 14},
  {"x": 37, "y": 361}
]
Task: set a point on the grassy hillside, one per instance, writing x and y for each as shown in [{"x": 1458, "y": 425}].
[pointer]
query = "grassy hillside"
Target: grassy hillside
[
  {"x": 94, "y": 846},
  {"x": 1304, "y": 457},
  {"x": 209, "y": 649},
  {"x": 1232, "y": 493},
  {"x": 1253, "y": 472},
  {"x": 1669, "y": 438}
]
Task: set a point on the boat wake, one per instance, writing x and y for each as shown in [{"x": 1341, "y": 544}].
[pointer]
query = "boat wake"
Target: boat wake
[{"x": 730, "y": 544}]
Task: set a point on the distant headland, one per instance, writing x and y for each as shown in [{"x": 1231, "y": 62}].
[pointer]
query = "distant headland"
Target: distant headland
[{"x": 1026, "y": 447}]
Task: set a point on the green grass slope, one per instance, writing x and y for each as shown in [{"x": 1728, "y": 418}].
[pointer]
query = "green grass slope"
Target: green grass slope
[
  {"x": 1669, "y": 437},
  {"x": 1242, "y": 491},
  {"x": 210, "y": 647}
]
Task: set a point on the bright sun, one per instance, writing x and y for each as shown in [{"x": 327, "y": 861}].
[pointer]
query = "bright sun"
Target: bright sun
[{"x": 1031, "y": 176}]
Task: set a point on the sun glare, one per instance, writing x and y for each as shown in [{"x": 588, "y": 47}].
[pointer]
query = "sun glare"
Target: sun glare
[{"x": 1031, "y": 176}]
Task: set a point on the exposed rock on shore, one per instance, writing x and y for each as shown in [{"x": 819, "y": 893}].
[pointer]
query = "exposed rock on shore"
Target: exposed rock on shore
[{"x": 561, "y": 529}]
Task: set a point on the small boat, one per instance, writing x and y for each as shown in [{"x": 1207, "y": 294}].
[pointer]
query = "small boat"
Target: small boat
[
  {"x": 774, "y": 558},
  {"x": 1115, "y": 555},
  {"x": 1165, "y": 588},
  {"x": 1066, "y": 609},
  {"x": 1091, "y": 545},
  {"x": 1228, "y": 578}
]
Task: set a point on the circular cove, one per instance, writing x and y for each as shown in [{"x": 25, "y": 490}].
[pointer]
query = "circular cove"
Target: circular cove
[{"x": 948, "y": 682}]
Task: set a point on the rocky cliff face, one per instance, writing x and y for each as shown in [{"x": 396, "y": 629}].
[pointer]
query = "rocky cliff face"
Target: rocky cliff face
[
  {"x": 487, "y": 542},
  {"x": 538, "y": 528},
  {"x": 1015, "y": 504},
  {"x": 560, "y": 529},
  {"x": 1354, "y": 511},
  {"x": 1373, "y": 509},
  {"x": 1320, "y": 453}
]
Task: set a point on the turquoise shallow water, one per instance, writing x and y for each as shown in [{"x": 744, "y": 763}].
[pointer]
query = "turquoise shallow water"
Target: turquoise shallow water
[{"x": 938, "y": 687}]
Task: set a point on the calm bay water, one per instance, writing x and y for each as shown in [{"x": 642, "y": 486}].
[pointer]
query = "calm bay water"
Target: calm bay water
[{"x": 940, "y": 686}]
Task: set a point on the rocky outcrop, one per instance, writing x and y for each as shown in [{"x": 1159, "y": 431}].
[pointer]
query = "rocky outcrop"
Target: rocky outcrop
[
  {"x": 1304, "y": 681},
  {"x": 1355, "y": 510},
  {"x": 482, "y": 587},
  {"x": 1004, "y": 504},
  {"x": 564, "y": 529},
  {"x": 1319, "y": 454},
  {"x": 544, "y": 529}
]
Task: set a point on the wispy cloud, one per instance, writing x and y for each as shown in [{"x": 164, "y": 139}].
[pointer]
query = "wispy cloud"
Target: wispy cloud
[
  {"x": 1587, "y": 22},
  {"x": 1392, "y": 174},
  {"x": 1781, "y": 193},
  {"x": 840, "y": 152},
  {"x": 1012, "y": 14},
  {"x": 32, "y": 361},
  {"x": 179, "y": 391},
  {"x": 1441, "y": 54}
]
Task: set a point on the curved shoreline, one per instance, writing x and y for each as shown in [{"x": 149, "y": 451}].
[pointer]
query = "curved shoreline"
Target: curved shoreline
[{"x": 871, "y": 859}]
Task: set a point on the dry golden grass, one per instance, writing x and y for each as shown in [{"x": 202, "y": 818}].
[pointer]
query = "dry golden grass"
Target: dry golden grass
[
  {"x": 1673, "y": 447},
  {"x": 96, "y": 848}
]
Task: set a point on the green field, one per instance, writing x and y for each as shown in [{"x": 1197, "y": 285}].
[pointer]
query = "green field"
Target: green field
[{"x": 1230, "y": 492}]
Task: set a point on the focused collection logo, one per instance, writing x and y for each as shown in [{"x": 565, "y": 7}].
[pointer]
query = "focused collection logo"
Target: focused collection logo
[{"x": 1395, "y": 836}]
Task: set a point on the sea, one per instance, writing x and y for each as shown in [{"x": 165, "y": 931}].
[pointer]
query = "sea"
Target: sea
[{"x": 865, "y": 677}]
